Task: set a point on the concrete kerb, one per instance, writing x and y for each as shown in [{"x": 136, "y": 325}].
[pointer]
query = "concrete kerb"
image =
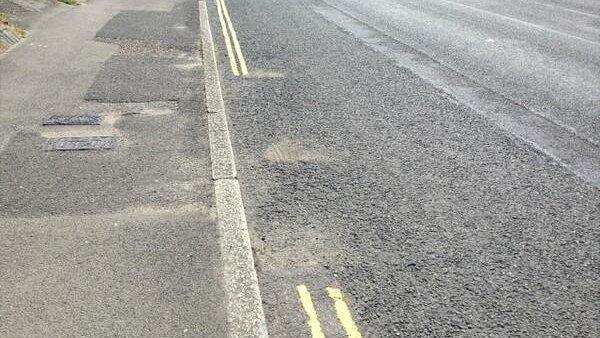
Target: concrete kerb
[{"x": 245, "y": 315}]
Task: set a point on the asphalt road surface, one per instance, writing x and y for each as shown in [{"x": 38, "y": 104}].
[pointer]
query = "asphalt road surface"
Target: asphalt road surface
[
  {"x": 437, "y": 161},
  {"x": 408, "y": 168}
]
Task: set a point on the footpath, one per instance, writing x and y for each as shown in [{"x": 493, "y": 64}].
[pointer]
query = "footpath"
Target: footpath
[{"x": 107, "y": 208}]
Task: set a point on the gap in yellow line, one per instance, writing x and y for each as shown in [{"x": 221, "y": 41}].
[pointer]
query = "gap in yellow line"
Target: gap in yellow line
[
  {"x": 343, "y": 313},
  {"x": 309, "y": 308}
]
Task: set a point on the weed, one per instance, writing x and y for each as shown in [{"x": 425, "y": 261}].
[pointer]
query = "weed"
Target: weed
[
  {"x": 3, "y": 18},
  {"x": 20, "y": 32},
  {"x": 70, "y": 2}
]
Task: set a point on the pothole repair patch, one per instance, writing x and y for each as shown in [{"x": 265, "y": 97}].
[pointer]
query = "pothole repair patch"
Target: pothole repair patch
[
  {"x": 289, "y": 151},
  {"x": 74, "y": 120},
  {"x": 80, "y": 143}
]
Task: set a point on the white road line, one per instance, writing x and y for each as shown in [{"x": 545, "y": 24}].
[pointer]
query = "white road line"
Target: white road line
[
  {"x": 521, "y": 22},
  {"x": 245, "y": 315},
  {"x": 594, "y": 16},
  {"x": 571, "y": 150}
]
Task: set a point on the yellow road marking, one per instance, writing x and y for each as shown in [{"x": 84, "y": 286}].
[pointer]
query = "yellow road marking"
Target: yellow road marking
[
  {"x": 309, "y": 308},
  {"x": 343, "y": 313},
  {"x": 232, "y": 63},
  {"x": 236, "y": 44}
]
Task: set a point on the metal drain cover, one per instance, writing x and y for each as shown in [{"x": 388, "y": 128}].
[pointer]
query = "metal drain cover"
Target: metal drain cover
[
  {"x": 80, "y": 143},
  {"x": 73, "y": 120}
]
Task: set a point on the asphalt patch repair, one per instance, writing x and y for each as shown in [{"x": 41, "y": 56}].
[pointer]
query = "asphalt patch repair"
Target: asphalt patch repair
[
  {"x": 151, "y": 44},
  {"x": 80, "y": 143},
  {"x": 73, "y": 120}
]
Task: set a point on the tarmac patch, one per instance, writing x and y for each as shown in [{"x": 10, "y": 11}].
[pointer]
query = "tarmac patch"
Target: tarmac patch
[
  {"x": 80, "y": 143},
  {"x": 73, "y": 120},
  {"x": 288, "y": 151}
]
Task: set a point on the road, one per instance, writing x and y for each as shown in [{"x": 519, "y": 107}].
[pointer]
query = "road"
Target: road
[
  {"x": 437, "y": 161},
  {"x": 407, "y": 168}
]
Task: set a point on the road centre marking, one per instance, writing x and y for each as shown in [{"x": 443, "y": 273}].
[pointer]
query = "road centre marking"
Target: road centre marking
[
  {"x": 309, "y": 308},
  {"x": 231, "y": 39},
  {"x": 232, "y": 63},
  {"x": 343, "y": 313}
]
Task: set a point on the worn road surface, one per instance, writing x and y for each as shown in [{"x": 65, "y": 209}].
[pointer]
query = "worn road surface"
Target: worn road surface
[
  {"x": 437, "y": 161},
  {"x": 409, "y": 168}
]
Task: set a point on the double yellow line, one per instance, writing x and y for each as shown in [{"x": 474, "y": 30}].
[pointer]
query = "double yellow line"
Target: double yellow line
[
  {"x": 227, "y": 27},
  {"x": 341, "y": 309}
]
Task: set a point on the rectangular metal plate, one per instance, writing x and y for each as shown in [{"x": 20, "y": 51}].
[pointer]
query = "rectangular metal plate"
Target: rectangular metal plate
[
  {"x": 73, "y": 120},
  {"x": 80, "y": 143}
]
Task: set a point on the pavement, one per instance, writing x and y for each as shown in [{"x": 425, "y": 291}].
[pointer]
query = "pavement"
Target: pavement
[
  {"x": 117, "y": 242},
  {"x": 406, "y": 168}
]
